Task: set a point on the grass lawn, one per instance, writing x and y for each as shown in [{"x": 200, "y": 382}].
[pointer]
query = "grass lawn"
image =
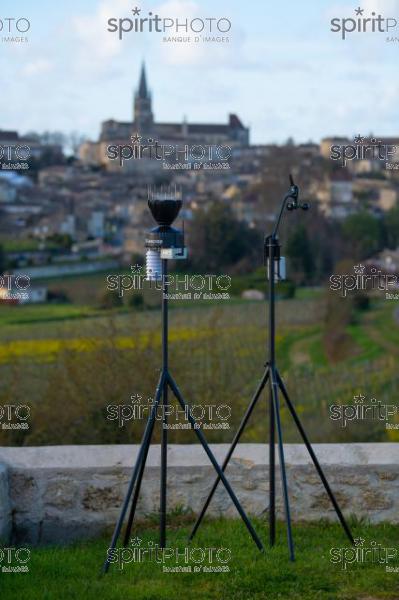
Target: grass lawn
[{"x": 73, "y": 572}]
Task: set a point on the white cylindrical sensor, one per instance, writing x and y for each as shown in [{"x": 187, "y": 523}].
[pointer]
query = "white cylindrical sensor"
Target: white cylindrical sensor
[
  {"x": 279, "y": 269},
  {"x": 153, "y": 265},
  {"x": 282, "y": 271}
]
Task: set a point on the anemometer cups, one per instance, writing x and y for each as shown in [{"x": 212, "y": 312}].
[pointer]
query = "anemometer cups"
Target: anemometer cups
[
  {"x": 293, "y": 196},
  {"x": 295, "y": 205}
]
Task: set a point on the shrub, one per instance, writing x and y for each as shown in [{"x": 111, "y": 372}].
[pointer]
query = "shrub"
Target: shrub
[
  {"x": 137, "y": 301},
  {"x": 361, "y": 301},
  {"x": 110, "y": 299}
]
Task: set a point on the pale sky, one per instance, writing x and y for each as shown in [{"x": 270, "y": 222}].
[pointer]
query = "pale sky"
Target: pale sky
[{"x": 284, "y": 72}]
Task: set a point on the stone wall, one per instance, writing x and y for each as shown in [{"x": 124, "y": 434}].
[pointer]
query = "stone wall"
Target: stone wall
[
  {"x": 63, "y": 493},
  {"x": 5, "y": 506}
]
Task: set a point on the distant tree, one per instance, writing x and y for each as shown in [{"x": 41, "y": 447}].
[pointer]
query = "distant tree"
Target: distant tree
[
  {"x": 50, "y": 156},
  {"x": 3, "y": 260},
  {"x": 301, "y": 254},
  {"x": 53, "y": 138},
  {"x": 69, "y": 142},
  {"x": 47, "y": 138},
  {"x": 58, "y": 295},
  {"x": 136, "y": 301},
  {"x": 63, "y": 240},
  {"x": 218, "y": 240},
  {"x": 365, "y": 233},
  {"x": 73, "y": 140},
  {"x": 391, "y": 225},
  {"x": 110, "y": 299},
  {"x": 137, "y": 259}
]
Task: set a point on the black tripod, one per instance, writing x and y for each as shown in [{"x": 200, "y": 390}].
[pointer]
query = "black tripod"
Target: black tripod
[
  {"x": 271, "y": 375},
  {"x": 166, "y": 381}
]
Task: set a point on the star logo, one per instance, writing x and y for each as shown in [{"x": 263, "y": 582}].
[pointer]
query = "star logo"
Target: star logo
[
  {"x": 359, "y": 541},
  {"x": 136, "y": 542},
  {"x": 135, "y": 398},
  {"x": 358, "y": 139},
  {"x": 136, "y": 269},
  {"x": 359, "y": 269},
  {"x": 359, "y": 399},
  {"x": 359, "y": 11},
  {"x": 135, "y": 138},
  {"x": 136, "y": 11}
]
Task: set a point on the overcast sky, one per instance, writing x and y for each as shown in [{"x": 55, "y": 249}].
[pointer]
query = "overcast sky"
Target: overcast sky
[{"x": 283, "y": 72}]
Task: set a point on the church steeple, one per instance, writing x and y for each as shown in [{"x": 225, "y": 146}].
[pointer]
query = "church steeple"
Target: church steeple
[
  {"x": 142, "y": 91},
  {"x": 143, "y": 117}
]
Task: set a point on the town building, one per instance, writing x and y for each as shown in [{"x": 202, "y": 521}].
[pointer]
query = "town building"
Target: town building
[{"x": 176, "y": 142}]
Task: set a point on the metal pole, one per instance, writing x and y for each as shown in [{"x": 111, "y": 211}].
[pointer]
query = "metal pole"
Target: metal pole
[
  {"x": 274, "y": 386},
  {"x": 138, "y": 485},
  {"x": 164, "y": 435},
  {"x": 272, "y": 358}
]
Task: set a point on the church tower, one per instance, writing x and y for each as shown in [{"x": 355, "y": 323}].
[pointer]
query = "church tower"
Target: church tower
[{"x": 143, "y": 117}]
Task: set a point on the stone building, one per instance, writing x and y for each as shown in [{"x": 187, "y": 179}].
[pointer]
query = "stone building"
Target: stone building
[{"x": 177, "y": 142}]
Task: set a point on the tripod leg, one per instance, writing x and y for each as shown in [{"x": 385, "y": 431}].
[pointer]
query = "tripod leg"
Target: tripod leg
[
  {"x": 143, "y": 449},
  {"x": 215, "y": 464},
  {"x": 164, "y": 451},
  {"x": 272, "y": 472},
  {"x": 314, "y": 459},
  {"x": 234, "y": 443},
  {"x": 273, "y": 383},
  {"x": 137, "y": 488}
]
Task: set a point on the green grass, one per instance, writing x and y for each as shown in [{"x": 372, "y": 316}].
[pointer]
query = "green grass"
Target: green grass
[
  {"x": 25, "y": 244},
  {"x": 309, "y": 293},
  {"x": 368, "y": 348},
  {"x": 74, "y": 572},
  {"x": 375, "y": 333},
  {"x": 19, "y": 245},
  {"x": 317, "y": 353},
  {"x": 43, "y": 313}
]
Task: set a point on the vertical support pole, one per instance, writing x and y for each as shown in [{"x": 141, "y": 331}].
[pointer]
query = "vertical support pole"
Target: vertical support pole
[
  {"x": 164, "y": 435},
  {"x": 271, "y": 241},
  {"x": 274, "y": 386}
]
